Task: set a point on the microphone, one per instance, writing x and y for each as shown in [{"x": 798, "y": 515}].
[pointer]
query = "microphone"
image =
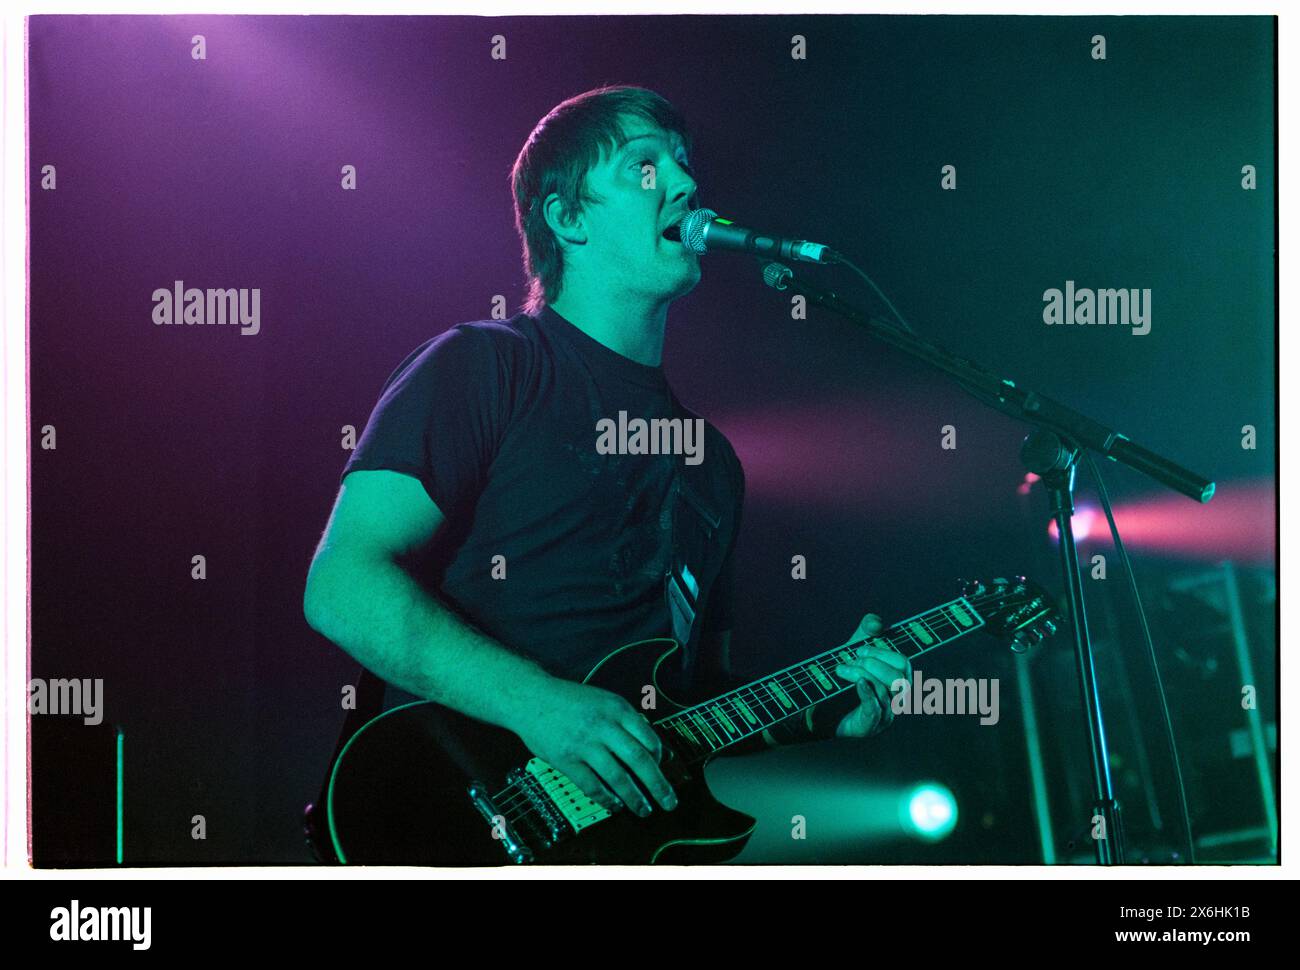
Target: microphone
[{"x": 704, "y": 231}]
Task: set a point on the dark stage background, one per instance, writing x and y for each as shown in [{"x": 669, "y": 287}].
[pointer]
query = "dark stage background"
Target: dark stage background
[{"x": 180, "y": 441}]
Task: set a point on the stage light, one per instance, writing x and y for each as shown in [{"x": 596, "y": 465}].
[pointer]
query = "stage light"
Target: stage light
[
  {"x": 1084, "y": 520},
  {"x": 930, "y": 811},
  {"x": 1240, "y": 524}
]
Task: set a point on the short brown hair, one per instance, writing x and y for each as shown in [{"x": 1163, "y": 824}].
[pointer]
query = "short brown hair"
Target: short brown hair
[{"x": 562, "y": 148}]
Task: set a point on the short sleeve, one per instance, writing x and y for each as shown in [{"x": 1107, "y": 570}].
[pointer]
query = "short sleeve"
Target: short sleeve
[{"x": 440, "y": 418}]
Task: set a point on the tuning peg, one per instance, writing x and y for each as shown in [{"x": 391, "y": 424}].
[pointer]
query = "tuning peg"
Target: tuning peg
[{"x": 1049, "y": 628}]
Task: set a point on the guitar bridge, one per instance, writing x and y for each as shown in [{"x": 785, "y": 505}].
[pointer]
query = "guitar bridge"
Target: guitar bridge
[
  {"x": 517, "y": 851},
  {"x": 547, "y": 808}
]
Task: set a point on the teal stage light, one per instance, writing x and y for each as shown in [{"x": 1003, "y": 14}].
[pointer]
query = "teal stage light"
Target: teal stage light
[{"x": 930, "y": 811}]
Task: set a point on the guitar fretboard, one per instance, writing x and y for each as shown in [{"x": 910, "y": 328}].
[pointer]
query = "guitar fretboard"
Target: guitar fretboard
[{"x": 707, "y": 728}]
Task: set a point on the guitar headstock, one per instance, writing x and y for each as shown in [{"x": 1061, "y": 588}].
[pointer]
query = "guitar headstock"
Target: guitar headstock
[{"x": 1015, "y": 610}]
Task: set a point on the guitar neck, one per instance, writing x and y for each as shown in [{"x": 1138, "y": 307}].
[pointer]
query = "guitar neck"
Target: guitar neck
[{"x": 705, "y": 729}]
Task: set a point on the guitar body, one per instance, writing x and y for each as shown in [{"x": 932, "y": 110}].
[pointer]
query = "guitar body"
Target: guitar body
[
  {"x": 400, "y": 793},
  {"x": 424, "y": 785}
]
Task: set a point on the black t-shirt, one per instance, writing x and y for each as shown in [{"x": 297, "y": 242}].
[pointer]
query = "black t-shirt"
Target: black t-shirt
[{"x": 499, "y": 421}]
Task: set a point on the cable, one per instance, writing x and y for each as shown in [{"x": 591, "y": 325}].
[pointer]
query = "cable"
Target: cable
[
  {"x": 880, "y": 293},
  {"x": 1124, "y": 559},
  {"x": 1151, "y": 653}
]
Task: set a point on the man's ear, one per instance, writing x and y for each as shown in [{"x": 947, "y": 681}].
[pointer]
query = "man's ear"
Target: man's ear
[{"x": 568, "y": 228}]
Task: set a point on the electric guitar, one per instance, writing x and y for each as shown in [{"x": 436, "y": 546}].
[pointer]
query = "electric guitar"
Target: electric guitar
[{"x": 425, "y": 785}]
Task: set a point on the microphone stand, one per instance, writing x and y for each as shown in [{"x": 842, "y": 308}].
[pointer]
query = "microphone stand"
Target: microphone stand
[{"x": 1052, "y": 451}]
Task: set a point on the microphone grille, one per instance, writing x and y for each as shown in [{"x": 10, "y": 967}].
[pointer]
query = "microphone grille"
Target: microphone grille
[{"x": 692, "y": 229}]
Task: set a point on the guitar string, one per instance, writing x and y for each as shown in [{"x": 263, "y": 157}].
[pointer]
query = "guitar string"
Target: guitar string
[
  {"x": 799, "y": 675},
  {"x": 793, "y": 673},
  {"x": 959, "y": 629},
  {"x": 801, "y": 679},
  {"x": 506, "y": 807},
  {"x": 720, "y": 732},
  {"x": 527, "y": 807}
]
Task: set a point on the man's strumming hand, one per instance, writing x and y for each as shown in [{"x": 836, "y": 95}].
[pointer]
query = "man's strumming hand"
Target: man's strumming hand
[{"x": 598, "y": 740}]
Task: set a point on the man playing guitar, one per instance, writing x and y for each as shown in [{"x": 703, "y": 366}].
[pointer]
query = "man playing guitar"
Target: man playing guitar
[{"x": 485, "y": 439}]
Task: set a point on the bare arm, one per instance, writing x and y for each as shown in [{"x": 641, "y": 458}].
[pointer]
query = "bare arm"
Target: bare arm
[{"x": 360, "y": 597}]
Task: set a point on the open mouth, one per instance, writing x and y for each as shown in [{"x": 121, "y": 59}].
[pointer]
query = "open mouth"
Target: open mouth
[{"x": 673, "y": 231}]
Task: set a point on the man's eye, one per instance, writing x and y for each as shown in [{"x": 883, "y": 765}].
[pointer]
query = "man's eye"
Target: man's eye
[{"x": 685, "y": 165}]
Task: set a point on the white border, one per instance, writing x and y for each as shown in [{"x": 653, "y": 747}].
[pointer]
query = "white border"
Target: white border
[{"x": 13, "y": 412}]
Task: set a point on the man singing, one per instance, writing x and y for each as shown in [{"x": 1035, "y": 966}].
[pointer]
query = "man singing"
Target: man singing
[{"x": 553, "y": 552}]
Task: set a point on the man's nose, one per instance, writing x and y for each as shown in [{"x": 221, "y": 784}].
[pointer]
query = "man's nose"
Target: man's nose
[{"x": 683, "y": 187}]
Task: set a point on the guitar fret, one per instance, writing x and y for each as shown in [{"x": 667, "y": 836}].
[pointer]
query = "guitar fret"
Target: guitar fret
[
  {"x": 952, "y": 624},
  {"x": 729, "y": 717},
  {"x": 715, "y": 726},
  {"x": 771, "y": 708},
  {"x": 706, "y": 732},
  {"x": 800, "y": 687},
  {"x": 721, "y": 716},
  {"x": 921, "y": 633},
  {"x": 782, "y": 698},
  {"x": 740, "y": 714},
  {"x": 762, "y": 703},
  {"x": 684, "y": 732},
  {"x": 819, "y": 675},
  {"x": 930, "y": 624},
  {"x": 962, "y": 616},
  {"x": 744, "y": 711}
]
